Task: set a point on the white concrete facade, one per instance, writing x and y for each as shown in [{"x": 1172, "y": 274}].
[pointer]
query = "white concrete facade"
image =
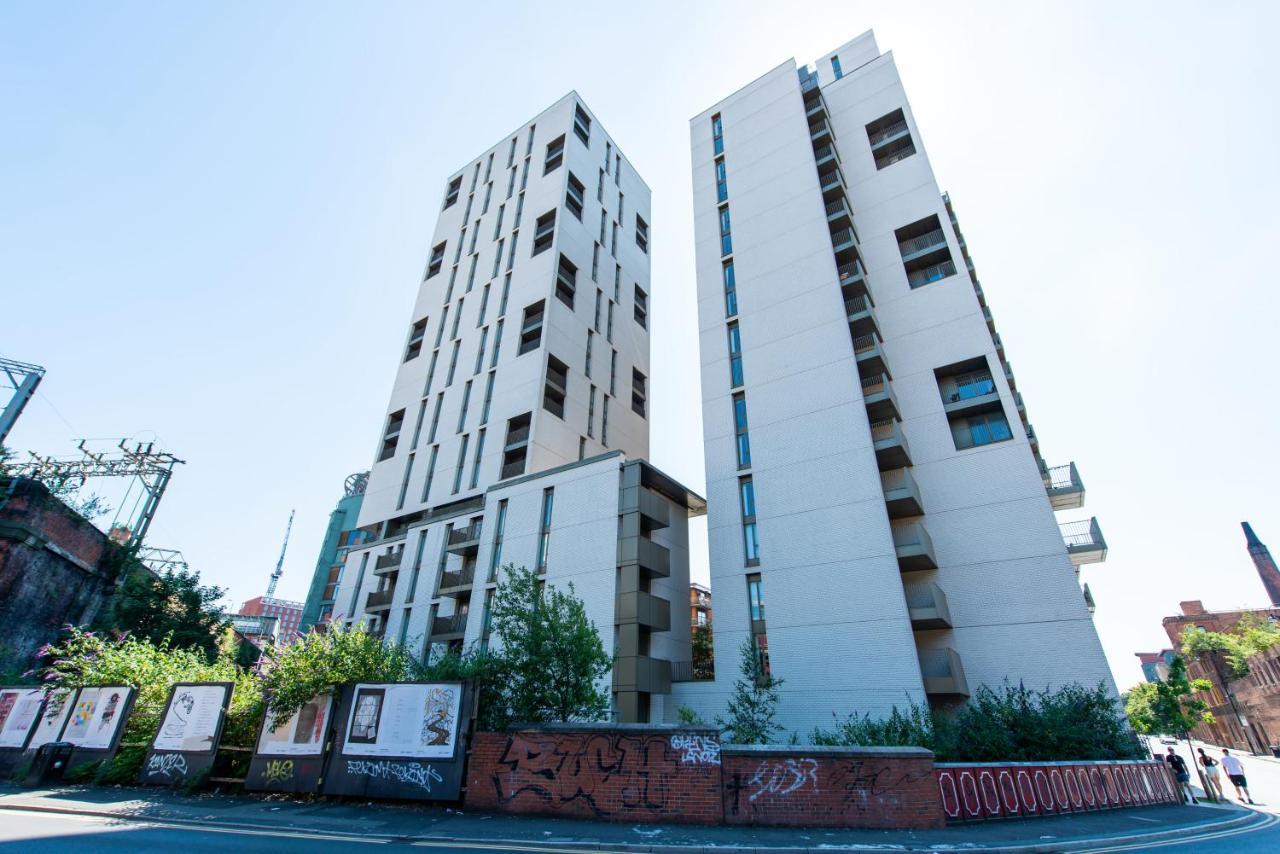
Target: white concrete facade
[{"x": 843, "y": 581}]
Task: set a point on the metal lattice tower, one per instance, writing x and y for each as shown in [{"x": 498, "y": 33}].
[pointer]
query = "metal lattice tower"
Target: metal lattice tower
[
  {"x": 279, "y": 570},
  {"x": 22, "y": 379}
]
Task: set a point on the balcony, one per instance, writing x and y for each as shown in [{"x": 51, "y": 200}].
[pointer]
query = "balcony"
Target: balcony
[
  {"x": 943, "y": 673},
  {"x": 388, "y": 562},
  {"x": 891, "y": 154},
  {"x": 832, "y": 182},
  {"x": 915, "y": 549},
  {"x": 971, "y": 398},
  {"x": 643, "y": 609},
  {"x": 642, "y": 673},
  {"x": 819, "y": 130},
  {"x": 999, "y": 343},
  {"x": 379, "y": 600},
  {"x": 517, "y": 437},
  {"x": 884, "y": 136},
  {"x": 853, "y": 279},
  {"x": 1033, "y": 440},
  {"x": 655, "y": 512},
  {"x": 932, "y": 273},
  {"x": 512, "y": 469},
  {"x": 927, "y": 605},
  {"x": 838, "y": 210},
  {"x": 1065, "y": 488},
  {"x": 824, "y": 154},
  {"x": 815, "y": 108},
  {"x": 882, "y": 403},
  {"x": 842, "y": 239},
  {"x": 1084, "y": 541},
  {"x": 1088, "y": 599},
  {"x": 861, "y": 320},
  {"x": 901, "y": 495},
  {"x": 452, "y": 580},
  {"x": 646, "y": 554},
  {"x": 890, "y": 445},
  {"x": 449, "y": 628},
  {"x": 682, "y": 671},
  {"x": 1008, "y": 374},
  {"x": 870, "y": 358},
  {"x": 918, "y": 247},
  {"x": 464, "y": 541}
]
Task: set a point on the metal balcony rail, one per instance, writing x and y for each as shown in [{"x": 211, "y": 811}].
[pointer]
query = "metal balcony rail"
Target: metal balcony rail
[
  {"x": 1062, "y": 477},
  {"x": 464, "y": 535},
  {"x": 818, "y": 127},
  {"x": 829, "y": 179},
  {"x": 1082, "y": 534},
  {"x": 379, "y": 598},
  {"x": 892, "y": 130},
  {"x": 449, "y": 625},
  {"x": 849, "y": 271},
  {"x": 881, "y": 430},
  {"x": 925, "y": 241},
  {"x": 384, "y": 561},
  {"x": 511, "y": 470},
  {"x": 931, "y": 273},
  {"x": 823, "y": 151},
  {"x": 863, "y": 343},
  {"x": 842, "y": 237},
  {"x": 837, "y": 207},
  {"x": 900, "y": 154},
  {"x": 518, "y": 436},
  {"x": 857, "y": 304},
  {"x": 458, "y": 577}
]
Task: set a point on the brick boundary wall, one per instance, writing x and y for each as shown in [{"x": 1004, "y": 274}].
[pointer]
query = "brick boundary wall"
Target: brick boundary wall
[
  {"x": 869, "y": 787},
  {"x": 978, "y": 791}
]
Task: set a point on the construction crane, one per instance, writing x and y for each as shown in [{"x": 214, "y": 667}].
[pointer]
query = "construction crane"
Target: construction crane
[
  {"x": 279, "y": 571},
  {"x": 22, "y": 379}
]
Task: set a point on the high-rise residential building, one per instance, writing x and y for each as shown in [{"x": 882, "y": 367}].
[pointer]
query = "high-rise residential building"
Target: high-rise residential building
[
  {"x": 518, "y": 423},
  {"x": 882, "y": 527},
  {"x": 340, "y": 536}
]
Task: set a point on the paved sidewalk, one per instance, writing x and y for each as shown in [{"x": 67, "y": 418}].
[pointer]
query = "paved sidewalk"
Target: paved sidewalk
[{"x": 414, "y": 822}]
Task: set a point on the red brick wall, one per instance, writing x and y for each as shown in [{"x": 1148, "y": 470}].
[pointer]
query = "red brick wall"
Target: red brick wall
[
  {"x": 615, "y": 773},
  {"x": 830, "y": 787}
]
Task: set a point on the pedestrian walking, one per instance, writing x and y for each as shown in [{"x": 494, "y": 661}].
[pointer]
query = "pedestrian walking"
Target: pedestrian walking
[
  {"x": 1179, "y": 766},
  {"x": 1235, "y": 773},
  {"x": 1213, "y": 781}
]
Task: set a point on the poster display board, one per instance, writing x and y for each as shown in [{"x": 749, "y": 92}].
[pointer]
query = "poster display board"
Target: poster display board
[
  {"x": 400, "y": 740},
  {"x": 187, "y": 739},
  {"x": 94, "y": 721},
  {"x": 20, "y": 709},
  {"x": 290, "y": 757},
  {"x": 53, "y": 717}
]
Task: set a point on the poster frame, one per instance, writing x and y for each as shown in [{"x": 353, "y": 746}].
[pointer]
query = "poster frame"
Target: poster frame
[
  {"x": 444, "y": 776},
  {"x": 163, "y": 767},
  {"x": 10, "y": 755},
  {"x": 81, "y": 755},
  {"x": 299, "y": 773}
]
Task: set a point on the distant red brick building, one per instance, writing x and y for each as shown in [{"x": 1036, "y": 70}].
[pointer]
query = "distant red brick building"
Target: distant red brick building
[{"x": 288, "y": 615}]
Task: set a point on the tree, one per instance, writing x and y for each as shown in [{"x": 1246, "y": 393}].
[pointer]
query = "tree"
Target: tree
[
  {"x": 548, "y": 651},
  {"x": 704, "y": 661},
  {"x": 754, "y": 701},
  {"x": 1169, "y": 707},
  {"x": 1250, "y": 636},
  {"x": 156, "y": 606}
]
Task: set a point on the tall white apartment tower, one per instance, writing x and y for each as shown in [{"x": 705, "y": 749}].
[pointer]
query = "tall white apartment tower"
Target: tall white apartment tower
[
  {"x": 517, "y": 428},
  {"x": 882, "y": 526}
]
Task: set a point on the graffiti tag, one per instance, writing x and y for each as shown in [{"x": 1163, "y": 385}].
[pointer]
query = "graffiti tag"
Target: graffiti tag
[
  {"x": 278, "y": 770},
  {"x": 410, "y": 773},
  {"x": 783, "y": 778},
  {"x": 696, "y": 749},
  {"x": 167, "y": 765}
]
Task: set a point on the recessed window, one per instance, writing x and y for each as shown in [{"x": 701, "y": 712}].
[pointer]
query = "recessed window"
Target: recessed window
[
  {"x": 639, "y": 392},
  {"x": 544, "y": 232},
  {"x": 582, "y": 124},
  {"x": 735, "y": 356},
  {"x": 556, "y": 386},
  {"x": 972, "y": 404},
  {"x": 573, "y": 196},
  {"x": 835, "y": 67},
  {"x": 391, "y": 435},
  {"x": 755, "y": 598},
  {"x": 451, "y": 194},
  {"x": 890, "y": 139},
  {"x": 730, "y": 291},
  {"x": 642, "y": 234},
  {"x": 717, "y": 134},
  {"x": 566, "y": 281},
  {"x": 925, "y": 255},
  {"x": 641, "y": 310},
  {"x": 743, "y": 440},
  {"x": 437, "y": 260},
  {"x": 722, "y": 182},
  {"x": 531, "y": 327},
  {"x": 516, "y": 447},
  {"x": 555, "y": 155},
  {"x": 726, "y": 232},
  {"x": 416, "y": 334}
]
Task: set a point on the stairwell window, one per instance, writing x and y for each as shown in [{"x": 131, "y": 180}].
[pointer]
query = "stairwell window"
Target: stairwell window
[
  {"x": 391, "y": 435},
  {"x": 639, "y": 393},
  {"x": 641, "y": 311},
  {"x": 544, "y": 232},
  {"x": 531, "y": 328},
  {"x": 555, "y": 155},
  {"x": 556, "y": 386},
  {"x": 726, "y": 232},
  {"x": 642, "y": 234},
  {"x": 722, "y": 181},
  {"x": 573, "y": 196},
  {"x": 566, "y": 281},
  {"x": 416, "y": 333},
  {"x": 437, "y": 260}
]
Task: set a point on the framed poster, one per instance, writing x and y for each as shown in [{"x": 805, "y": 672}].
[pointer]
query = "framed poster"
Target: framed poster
[
  {"x": 19, "y": 711},
  {"x": 54, "y": 717},
  {"x": 185, "y": 743},
  {"x": 97, "y": 716},
  {"x": 290, "y": 757},
  {"x": 399, "y": 740}
]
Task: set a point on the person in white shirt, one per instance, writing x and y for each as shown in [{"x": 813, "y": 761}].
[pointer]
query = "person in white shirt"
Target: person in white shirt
[{"x": 1235, "y": 773}]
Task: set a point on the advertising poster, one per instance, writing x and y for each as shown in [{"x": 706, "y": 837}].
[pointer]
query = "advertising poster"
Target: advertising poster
[
  {"x": 95, "y": 716},
  {"x": 19, "y": 709},
  {"x": 56, "y": 712},
  {"x": 191, "y": 722},
  {"x": 301, "y": 735},
  {"x": 404, "y": 720}
]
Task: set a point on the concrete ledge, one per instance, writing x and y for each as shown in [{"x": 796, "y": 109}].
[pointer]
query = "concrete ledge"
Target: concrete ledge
[
  {"x": 611, "y": 728},
  {"x": 823, "y": 750}
]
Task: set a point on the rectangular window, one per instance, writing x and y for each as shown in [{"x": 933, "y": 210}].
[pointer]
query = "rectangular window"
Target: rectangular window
[
  {"x": 444, "y": 316},
  {"x": 453, "y": 277},
  {"x": 573, "y": 196},
  {"x": 511, "y": 182},
  {"x": 391, "y": 435},
  {"x": 740, "y": 428},
  {"x": 475, "y": 463},
  {"x": 488, "y": 398},
  {"x": 925, "y": 254},
  {"x": 544, "y": 232},
  {"x": 506, "y": 293},
  {"x": 511, "y": 252},
  {"x": 462, "y": 410},
  {"x": 488, "y": 194},
  {"x": 595, "y": 262},
  {"x": 608, "y": 154},
  {"x": 620, "y": 207},
  {"x": 511, "y": 153},
  {"x": 475, "y": 235},
  {"x": 435, "y": 418},
  {"x": 582, "y": 124},
  {"x": 495, "y": 556},
  {"x": 735, "y": 356},
  {"x": 475, "y": 176},
  {"x": 497, "y": 344},
  {"x": 544, "y": 533},
  {"x": 609, "y": 328},
  {"x": 437, "y": 260},
  {"x": 613, "y": 239},
  {"x": 755, "y": 598},
  {"x": 497, "y": 223},
  {"x": 642, "y": 234},
  {"x": 417, "y": 426},
  {"x": 641, "y": 307},
  {"x": 519, "y": 210},
  {"x": 639, "y": 394},
  {"x": 451, "y": 193},
  {"x": 582, "y": 447},
  {"x": 726, "y": 232},
  {"x": 617, "y": 283},
  {"x": 556, "y": 387},
  {"x": 591, "y": 411},
  {"x": 604, "y": 421},
  {"x": 416, "y": 333},
  {"x": 613, "y": 371},
  {"x": 431, "y": 373},
  {"x": 462, "y": 461},
  {"x": 528, "y": 146},
  {"x": 471, "y": 273},
  {"x": 524, "y": 175},
  {"x": 566, "y": 281},
  {"x": 484, "y": 305},
  {"x": 531, "y": 328},
  {"x": 596, "y": 316},
  {"x": 984, "y": 429},
  {"x": 617, "y": 170},
  {"x": 555, "y": 155},
  {"x": 722, "y": 181},
  {"x": 717, "y": 134},
  {"x": 590, "y": 338},
  {"x": 600, "y": 187},
  {"x": 404, "y": 482},
  {"x": 497, "y": 262},
  {"x": 431, "y": 473},
  {"x": 835, "y": 67},
  {"x": 516, "y": 447},
  {"x": 730, "y": 291},
  {"x": 484, "y": 338},
  {"x": 453, "y": 364},
  {"x": 457, "y": 317}
]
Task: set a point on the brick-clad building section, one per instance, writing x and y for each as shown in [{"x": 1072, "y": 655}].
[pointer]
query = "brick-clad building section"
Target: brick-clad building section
[
  {"x": 49, "y": 569},
  {"x": 878, "y": 787},
  {"x": 620, "y": 772}
]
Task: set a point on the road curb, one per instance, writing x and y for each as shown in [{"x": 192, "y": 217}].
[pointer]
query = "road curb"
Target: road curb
[{"x": 1240, "y": 821}]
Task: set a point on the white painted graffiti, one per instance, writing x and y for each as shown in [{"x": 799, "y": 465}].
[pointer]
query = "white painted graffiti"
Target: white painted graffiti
[
  {"x": 696, "y": 749},
  {"x": 412, "y": 773},
  {"x": 783, "y": 778},
  {"x": 167, "y": 765}
]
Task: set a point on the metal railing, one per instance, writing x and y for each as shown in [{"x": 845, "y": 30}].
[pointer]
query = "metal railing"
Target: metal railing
[
  {"x": 864, "y": 344},
  {"x": 386, "y": 560},
  {"x": 912, "y": 245},
  {"x": 464, "y": 535},
  {"x": 829, "y": 179},
  {"x": 895, "y": 479},
  {"x": 1083, "y": 534},
  {"x": 884, "y": 430},
  {"x": 932, "y": 273},
  {"x": 884, "y": 133},
  {"x": 819, "y": 127},
  {"x": 823, "y": 151},
  {"x": 1063, "y": 477},
  {"x": 682, "y": 671},
  {"x": 842, "y": 237},
  {"x": 454, "y": 624},
  {"x": 850, "y": 271},
  {"x": 901, "y": 154},
  {"x": 857, "y": 304},
  {"x": 837, "y": 207},
  {"x": 458, "y": 578},
  {"x": 518, "y": 436}
]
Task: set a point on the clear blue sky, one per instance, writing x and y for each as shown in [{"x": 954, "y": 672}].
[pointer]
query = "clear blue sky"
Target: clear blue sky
[{"x": 213, "y": 217}]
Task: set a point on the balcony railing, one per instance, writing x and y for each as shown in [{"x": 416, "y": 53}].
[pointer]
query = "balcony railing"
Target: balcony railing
[
  {"x": 518, "y": 436},
  {"x": 885, "y": 134},
  {"x": 901, "y": 495},
  {"x": 458, "y": 578},
  {"x": 841, "y": 238},
  {"x": 511, "y": 470},
  {"x": 455, "y": 624},
  {"x": 837, "y": 208},
  {"x": 469, "y": 534},
  {"x": 932, "y": 273},
  {"x": 388, "y": 561},
  {"x": 682, "y": 671},
  {"x": 379, "y": 599},
  {"x": 822, "y": 152},
  {"x": 923, "y": 243},
  {"x": 1084, "y": 541},
  {"x": 818, "y": 128},
  {"x": 898, "y": 154},
  {"x": 850, "y": 272},
  {"x": 829, "y": 179},
  {"x": 890, "y": 445},
  {"x": 943, "y": 673},
  {"x": 913, "y": 545},
  {"x": 878, "y": 396},
  {"x": 1065, "y": 488}
]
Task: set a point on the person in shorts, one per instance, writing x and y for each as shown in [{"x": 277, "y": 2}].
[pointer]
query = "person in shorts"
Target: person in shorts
[
  {"x": 1212, "y": 775},
  {"x": 1179, "y": 768},
  {"x": 1235, "y": 773}
]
